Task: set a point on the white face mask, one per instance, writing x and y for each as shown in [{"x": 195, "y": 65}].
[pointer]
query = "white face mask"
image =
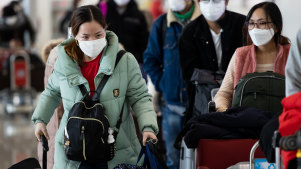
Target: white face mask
[
  {"x": 11, "y": 20},
  {"x": 177, "y": 5},
  {"x": 212, "y": 11},
  {"x": 121, "y": 2},
  {"x": 261, "y": 36},
  {"x": 92, "y": 48}
]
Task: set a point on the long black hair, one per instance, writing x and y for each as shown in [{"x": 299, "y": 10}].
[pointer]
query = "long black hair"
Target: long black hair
[{"x": 273, "y": 12}]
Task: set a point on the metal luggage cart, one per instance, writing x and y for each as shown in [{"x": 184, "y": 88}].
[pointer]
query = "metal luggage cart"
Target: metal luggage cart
[
  {"x": 20, "y": 97},
  {"x": 276, "y": 165}
]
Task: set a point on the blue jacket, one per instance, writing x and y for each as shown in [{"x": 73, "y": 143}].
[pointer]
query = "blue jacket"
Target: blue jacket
[{"x": 162, "y": 61}]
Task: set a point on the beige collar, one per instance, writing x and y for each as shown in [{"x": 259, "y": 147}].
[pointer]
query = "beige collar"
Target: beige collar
[{"x": 172, "y": 18}]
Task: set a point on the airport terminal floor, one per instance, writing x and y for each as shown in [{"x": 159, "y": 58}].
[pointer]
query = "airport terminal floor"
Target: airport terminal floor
[{"x": 17, "y": 141}]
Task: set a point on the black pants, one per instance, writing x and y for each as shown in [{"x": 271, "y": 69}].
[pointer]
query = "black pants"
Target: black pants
[
  {"x": 91, "y": 165},
  {"x": 266, "y": 135}
]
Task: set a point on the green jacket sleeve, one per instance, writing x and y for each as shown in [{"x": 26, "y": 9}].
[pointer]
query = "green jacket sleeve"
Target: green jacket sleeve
[
  {"x": 49, "y": 100},
  {"x": 139, "y": 98}
]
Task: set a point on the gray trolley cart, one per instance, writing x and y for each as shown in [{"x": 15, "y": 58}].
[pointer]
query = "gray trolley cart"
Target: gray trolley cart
[{"x": 20, "y": 97}]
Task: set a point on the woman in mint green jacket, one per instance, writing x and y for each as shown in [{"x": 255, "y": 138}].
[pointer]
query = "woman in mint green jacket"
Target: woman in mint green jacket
[{"x": 85, "y": 59}]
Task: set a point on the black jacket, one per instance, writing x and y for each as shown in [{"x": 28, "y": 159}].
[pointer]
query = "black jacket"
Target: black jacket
[
  {"x": 130, "y": 27},
  {"x": 197, "y": 49},
  {"x": 235, "y": 123},
  {"x": 16, "y": 31}
]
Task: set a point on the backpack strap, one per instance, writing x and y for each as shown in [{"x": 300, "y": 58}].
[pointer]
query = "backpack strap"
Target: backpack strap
[
  {"x": 118, "y": 122},
  {"x": 83, "y": 90},
  {"x": 106, "y": 77}
]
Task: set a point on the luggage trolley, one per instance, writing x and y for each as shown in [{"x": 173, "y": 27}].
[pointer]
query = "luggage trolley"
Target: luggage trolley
[
  {"x": 19, "y": 99},
  {"x": 253, "y": 164}
]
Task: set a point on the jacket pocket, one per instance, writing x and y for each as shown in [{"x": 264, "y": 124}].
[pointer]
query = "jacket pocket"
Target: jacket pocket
[
  {"x": 171, "y": 54},
  {"x": 68, "y": 93},
  {"x": 170, "y": 45}
]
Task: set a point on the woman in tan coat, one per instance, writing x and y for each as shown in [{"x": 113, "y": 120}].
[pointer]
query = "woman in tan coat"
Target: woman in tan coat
[{"x": 49, "y": 56}]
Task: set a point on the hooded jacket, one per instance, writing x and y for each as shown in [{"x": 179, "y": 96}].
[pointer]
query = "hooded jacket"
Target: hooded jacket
[
  {"x": 290, "y": 122},
  {"x": 126, "y": 77},
  {"x": 49, "y": 56}
]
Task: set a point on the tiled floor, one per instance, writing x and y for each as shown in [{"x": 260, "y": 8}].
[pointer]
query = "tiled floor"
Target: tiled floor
[{"x": 17, "y": 141}]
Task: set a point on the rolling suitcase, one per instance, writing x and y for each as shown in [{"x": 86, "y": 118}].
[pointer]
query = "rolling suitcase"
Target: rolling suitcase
[
  {"x": 32, "y": 163},
  {"x": 187, "y": 157}
]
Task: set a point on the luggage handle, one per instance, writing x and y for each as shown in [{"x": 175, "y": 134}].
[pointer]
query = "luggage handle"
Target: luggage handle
[{"x": 45, "y": 149}]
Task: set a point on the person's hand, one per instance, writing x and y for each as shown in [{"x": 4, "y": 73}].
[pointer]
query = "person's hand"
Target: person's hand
[
  {"x": 221, "y": 109},
  {"x": 40, "y": 128},
  {"x": 149, "y": 136}
]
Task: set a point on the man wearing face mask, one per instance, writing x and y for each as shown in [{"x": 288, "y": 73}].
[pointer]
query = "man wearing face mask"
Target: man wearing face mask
[
  {"x": 162, "y": 63},
  {"x": 128, "y": 22},
  {"x": 14, "y": 24},
  {"x": 209, "y": 42}
]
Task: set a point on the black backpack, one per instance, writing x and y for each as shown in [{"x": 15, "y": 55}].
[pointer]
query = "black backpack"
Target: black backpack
[
  {"x": 260, "y": 90},
  {"x": 204, "y": 81},
  {"x": 87, "y": 131}
]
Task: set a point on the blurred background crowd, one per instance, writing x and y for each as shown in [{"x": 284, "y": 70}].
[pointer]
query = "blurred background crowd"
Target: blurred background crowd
[
  {"x": 31, "y": 24},
  {"x": 46, "y": 18}
]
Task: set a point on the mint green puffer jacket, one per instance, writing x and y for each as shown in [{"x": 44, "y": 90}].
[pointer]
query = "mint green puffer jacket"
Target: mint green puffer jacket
[{"x": 63, "y": 84}]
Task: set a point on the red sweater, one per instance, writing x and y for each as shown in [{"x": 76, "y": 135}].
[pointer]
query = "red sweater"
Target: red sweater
[{"x": 89, "y": 71}]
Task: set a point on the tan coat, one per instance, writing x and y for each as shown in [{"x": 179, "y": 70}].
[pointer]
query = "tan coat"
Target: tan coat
[{"x": 49, "y": 55}]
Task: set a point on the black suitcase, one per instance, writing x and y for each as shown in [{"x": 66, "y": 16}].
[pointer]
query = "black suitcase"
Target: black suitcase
[{"x": 32, "y": 163}]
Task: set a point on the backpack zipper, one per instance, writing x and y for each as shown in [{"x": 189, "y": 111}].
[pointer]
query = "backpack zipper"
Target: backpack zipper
[
  {"x": 255, "y": 94},
  {"x": 106, "y": 117},
  {"x": 97, "y": 104},
  {"x": 84, "y": 142},
  {"x": 243, "y": 88},
  {"x": 92, "y": 119}
]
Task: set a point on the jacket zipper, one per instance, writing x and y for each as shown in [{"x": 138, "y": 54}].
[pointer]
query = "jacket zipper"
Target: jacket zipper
[{"x": 84, "y": 142}]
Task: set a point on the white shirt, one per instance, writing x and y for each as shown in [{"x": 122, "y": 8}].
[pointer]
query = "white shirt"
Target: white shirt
[{"x": 217, "y": 40}]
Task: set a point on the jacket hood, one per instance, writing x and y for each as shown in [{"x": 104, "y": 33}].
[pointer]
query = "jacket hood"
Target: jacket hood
[
  {"x": 292, "y": 102},
  {"x": 48, "y": 47}
]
